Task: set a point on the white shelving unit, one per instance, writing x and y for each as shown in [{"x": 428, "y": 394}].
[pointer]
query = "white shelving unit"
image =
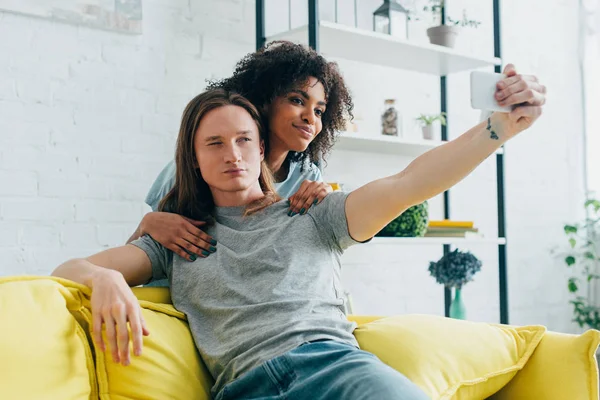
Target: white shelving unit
[
  {"x": 377, "y": 48},
  {"x": 364, "y": 46},
  {"x": 386, "y": 144}
]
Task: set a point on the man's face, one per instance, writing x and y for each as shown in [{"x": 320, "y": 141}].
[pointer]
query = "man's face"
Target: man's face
[{"x": 228, "y": 149}]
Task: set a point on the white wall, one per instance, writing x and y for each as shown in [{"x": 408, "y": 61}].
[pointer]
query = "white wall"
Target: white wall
[
  {"x": 590, "y": 27},
  {"x": 89, "y": 117}
]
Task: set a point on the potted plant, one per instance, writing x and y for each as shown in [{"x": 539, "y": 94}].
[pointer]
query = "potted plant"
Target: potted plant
[
  {"x": 445, "y": 34},
  {"x": 582, "y": 258},
  {"x": 454, "y": 270},
  {"x": 411, "y": 223},
  {"x": 427, "y": 123}
]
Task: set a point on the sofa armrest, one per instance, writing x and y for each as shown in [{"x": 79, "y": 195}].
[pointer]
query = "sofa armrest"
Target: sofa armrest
[{"x": 562, "y": 367}]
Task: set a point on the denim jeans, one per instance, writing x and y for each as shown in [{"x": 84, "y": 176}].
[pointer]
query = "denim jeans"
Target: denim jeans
[{"x": 322, "y": 370}]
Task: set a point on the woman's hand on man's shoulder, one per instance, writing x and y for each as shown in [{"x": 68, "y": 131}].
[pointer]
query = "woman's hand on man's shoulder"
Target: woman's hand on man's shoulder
[
  {"x": 179, "y": 234},
  {"x": 309, "y": 194}
]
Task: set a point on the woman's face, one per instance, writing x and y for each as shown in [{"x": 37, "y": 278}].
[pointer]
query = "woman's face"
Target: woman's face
[
  {"x": 295, "y": 118},
  {"x": 228, "y": 149}
]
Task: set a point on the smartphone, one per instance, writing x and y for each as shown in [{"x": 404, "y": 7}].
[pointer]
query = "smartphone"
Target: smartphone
[{"x": 483, "y": 90}]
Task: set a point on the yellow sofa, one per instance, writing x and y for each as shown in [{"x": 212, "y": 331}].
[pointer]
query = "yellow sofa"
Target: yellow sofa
[{"x": 46, "y": 352}]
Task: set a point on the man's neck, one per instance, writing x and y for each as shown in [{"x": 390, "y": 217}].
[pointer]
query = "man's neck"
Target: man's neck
[{"x": 237, "y": 198}]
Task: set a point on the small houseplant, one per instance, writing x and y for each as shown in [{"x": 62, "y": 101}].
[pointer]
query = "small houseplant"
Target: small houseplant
[
  {"x": 454, "y": 270},
  {"x": 411, "y": 223},
  {"x": 582, "y": 258},
  {"x": 427, "y": 123},
  {"x": 444, "y": 34}
]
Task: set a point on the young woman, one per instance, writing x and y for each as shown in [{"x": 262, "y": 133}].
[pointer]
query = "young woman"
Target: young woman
[
  {"x": 267, "y": 313},
  {"x": 305, "y": 102}
]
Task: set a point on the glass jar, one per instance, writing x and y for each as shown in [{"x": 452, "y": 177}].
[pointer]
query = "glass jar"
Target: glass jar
[{"x": 390, "y": 119}]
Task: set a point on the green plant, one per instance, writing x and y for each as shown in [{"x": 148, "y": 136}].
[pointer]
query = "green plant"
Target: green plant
[
  {"x": 435, "y": 7},
  {"x": 455, "y": 269},
  {"x": 411, "y": 223},
  {"x": 583, "y": 261},
  {"x": 464, "y": 22},
  {"x": 430, "y": 119}
]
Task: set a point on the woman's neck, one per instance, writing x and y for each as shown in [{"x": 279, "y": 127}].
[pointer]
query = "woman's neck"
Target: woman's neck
[{"x": 277, "y": 162}]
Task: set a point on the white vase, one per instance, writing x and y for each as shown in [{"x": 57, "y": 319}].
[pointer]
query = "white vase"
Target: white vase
[
  {"x": 428, "y": 132},
  {"x": 443, "y": 35}
]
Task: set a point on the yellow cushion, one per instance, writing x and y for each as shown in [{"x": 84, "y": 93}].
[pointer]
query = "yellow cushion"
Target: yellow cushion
[
  {"x": 447, "y": 358},
  {"x": 562, "y": 367},
  {"x": 44, "y": 352},
  {"x": 153, "y": 294},
  {"x": 363, "y": 319},
  {"x": 169, "y": 367}
]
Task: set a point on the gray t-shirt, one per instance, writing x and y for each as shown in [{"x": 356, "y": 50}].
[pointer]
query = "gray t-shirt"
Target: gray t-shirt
[{"x": 273, "y": 283}]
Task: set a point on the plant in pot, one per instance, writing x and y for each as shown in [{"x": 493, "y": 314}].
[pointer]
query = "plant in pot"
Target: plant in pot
[
  {"x": 411, "y": 223},
  {"x": 582, "y": 258},
  {"x": 427, "y": 123},
  {"x": 444, "y": 34},
  {"x": 454, "y": 270}
]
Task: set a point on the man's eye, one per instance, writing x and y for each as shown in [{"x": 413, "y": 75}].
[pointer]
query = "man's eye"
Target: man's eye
[
  {"x": 214, "y": 143},
  {"x": 246, "y": 139}
]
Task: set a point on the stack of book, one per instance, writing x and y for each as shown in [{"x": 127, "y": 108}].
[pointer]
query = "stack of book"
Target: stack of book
[{"x": 449, "y": 228}]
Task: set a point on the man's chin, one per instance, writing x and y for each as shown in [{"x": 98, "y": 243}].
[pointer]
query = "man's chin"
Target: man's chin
[{"x": 232, "y": 185}]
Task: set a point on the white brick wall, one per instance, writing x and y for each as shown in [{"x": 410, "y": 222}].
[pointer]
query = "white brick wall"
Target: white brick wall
[{"x": 89, "y": 117}]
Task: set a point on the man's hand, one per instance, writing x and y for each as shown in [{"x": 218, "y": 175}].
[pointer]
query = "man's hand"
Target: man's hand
[
  {"x": 178, "y": 234},
  {"x": 525, "y": 94},
  {"x": 309, "y": 194},
  {"x": 114, "y": 305}
]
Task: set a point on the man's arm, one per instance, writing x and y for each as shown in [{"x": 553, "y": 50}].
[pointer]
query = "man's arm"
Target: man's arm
[
  {"x": 130, "y": 261},
  {"x": 371, "y": 207},
  {"x": 110, "y": 274}
]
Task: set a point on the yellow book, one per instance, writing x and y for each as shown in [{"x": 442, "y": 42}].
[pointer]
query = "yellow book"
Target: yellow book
[
  {"x": 447, "y": 223},
  {"x": 451, "y": 229}
]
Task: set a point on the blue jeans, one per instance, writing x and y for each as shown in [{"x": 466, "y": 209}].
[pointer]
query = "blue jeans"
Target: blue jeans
[{"x": 322, "y": 370}]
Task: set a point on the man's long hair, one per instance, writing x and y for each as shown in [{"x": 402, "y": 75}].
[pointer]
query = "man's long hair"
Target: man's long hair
[{"x": 191, "y": 196}]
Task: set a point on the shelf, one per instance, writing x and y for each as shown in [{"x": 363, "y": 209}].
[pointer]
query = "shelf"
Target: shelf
[
  {"x": 361, "y": 45},
  {"x": 386, "y": 144},
  {"x": 435, "y": 241}
]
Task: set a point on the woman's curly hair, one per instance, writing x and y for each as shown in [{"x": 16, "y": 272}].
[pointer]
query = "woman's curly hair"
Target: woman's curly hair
[{"x": 280, "y": 67}]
